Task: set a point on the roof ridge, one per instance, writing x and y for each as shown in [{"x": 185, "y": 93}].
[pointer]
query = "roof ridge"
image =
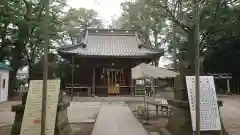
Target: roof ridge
[
  {"x": 102, "y": 29},
  {"x": 111, "y": 34},
  {"x": 129, "y": 45},
  {"x": 110, "y": 31}
]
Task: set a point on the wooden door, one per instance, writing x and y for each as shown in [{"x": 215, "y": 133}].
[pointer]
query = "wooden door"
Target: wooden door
[{"x": 113, "y": 87}]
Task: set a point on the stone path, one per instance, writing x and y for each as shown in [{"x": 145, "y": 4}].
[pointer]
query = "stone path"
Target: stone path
[
  {"x": 117, "y": 119},
  {"x": 6, "y": 116},
  {"x": 83, "y": 112},
  {"x": 106, "y": 99},
  {"x": 230, "y": 113}
]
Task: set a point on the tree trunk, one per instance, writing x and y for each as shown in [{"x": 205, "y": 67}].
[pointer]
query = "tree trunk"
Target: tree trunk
[
  {"x": 15, "y": 64},
  {"x": 186, "y": 68},
  {"x": 11, "y": 84},
  {"x": 30, "y": 70},
  {"x": 3, "y": 42},
  {"x": 155, "y": 39}
]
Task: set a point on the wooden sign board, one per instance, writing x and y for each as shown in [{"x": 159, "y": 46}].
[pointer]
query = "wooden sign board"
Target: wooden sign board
[
  {"x": 209, "y": 119},
  {"x": 31, "y": 124}
]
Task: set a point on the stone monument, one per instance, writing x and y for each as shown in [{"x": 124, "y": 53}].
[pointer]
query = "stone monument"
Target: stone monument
[
  {"x": 61, "y": 125},
  {"x": 180, "y": 123}
]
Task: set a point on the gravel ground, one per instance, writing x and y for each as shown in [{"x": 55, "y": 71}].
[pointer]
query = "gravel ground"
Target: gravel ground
[
  {"x": 6, "y": 116},
  {"x": 230, "y": 112},
  {"x": 5, "y": 130}
]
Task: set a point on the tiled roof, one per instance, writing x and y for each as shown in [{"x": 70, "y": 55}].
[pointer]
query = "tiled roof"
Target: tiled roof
[
  {"x": 107, "y": 42},
  {"x": 4, "y": 66},
  {"x": 145, "y": 70}
]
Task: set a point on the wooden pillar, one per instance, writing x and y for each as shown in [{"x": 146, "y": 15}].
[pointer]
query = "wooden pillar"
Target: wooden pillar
[
  {"x": 228, "y": 86},
  {"x": 131, "y": 83},
  {"x": 109, "y": 88},
  {"x": 72, "y": 88},
  {"x": 93, "y": 81},
  {"x": 153, "y": 88}
]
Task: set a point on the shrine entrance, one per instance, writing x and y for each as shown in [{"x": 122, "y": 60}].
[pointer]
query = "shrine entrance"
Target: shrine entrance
[
  {"x": 115, "y": 79},
  {"x": 105, "y": 68}
]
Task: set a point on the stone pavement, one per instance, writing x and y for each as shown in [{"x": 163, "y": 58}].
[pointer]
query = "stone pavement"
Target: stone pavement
[
  {"x": 107, "y": 99},
  {"x": 83, "y": 112},
  {"x": 117, "y": 119},
  {"x": 86, "y": 112},
  {"x": 6, "y": 116},
  {"x": 230, "y": 112}
]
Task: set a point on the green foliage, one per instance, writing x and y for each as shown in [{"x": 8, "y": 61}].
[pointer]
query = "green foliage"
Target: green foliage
[
  {"x": 222, "y": 57},
  {"x": 23, "y": 24},
  {"x": 22, "y": 28},
  {"x": 218, "y": 18},
  {"x": 76, "y": 20},
  {"x": 140, "y": 15}
]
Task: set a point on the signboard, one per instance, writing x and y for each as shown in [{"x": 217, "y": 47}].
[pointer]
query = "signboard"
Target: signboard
[
  {"x": 209, "y": 119},
  {"x": 31, "y": 124}
]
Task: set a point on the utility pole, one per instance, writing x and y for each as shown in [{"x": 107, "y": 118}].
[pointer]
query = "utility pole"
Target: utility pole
[
  {"x": 45, "y": 68},
  {"x": 197, "y": 65},
  {"x": 175, "y": 42}
]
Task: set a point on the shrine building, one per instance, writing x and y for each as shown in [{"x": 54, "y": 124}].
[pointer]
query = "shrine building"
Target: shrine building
[{"x": 103, "y": 62}]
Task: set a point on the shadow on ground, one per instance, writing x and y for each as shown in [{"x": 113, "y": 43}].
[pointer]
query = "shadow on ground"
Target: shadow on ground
[{"x": 82, "y": 128}]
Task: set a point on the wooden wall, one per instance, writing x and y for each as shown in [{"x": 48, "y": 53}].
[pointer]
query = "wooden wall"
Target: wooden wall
[{"x": 83, "y": 76}]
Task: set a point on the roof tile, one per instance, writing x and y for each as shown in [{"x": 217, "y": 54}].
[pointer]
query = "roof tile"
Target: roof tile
[{"x": 115, "y": 43}]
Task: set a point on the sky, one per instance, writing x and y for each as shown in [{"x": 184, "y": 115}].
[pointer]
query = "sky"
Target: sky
[{"x": 105, "y": 8}]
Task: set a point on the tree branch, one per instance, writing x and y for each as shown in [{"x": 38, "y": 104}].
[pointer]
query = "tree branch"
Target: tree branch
[
  {"x": 177, "y": 22},
  {"x": 208, "y": 34},
  {"x": 3, "y": 40}
]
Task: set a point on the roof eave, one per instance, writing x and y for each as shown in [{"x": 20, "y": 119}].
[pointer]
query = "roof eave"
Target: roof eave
[{"x": 151, "y": 56}]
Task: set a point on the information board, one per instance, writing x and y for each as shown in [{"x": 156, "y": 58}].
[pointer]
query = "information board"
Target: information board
[
  {"x": 31, "y": 124},
  {"x": 209, "y": 113}
]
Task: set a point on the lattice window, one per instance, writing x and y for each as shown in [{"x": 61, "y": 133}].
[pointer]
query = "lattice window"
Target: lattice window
[
  {"x": 116, "y": 76},
  {"x": 104, "y": 77},
  {"x": 120, "y": 76}
]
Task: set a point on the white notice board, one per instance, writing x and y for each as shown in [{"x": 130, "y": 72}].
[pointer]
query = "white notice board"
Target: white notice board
[
  {"x": 31, "y": 124},
  {"x": 210, "y": 119}
]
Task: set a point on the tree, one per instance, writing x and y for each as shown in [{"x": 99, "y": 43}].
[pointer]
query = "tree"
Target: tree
[
  {"x": 139, "y": 15},
  {"x": 213, "y": 17},
  {"x": 21, "y": 36},
  {"x": 77, "y": 20},
  {"x": 21, "y": 30},
  {"x": 222, "y": 57},
  {"x": 35, "y": 45},
  {"x": 215, "y": 23}
]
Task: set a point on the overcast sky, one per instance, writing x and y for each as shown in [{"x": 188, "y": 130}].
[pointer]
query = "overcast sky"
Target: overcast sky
[{"x": 105, "y": 8}]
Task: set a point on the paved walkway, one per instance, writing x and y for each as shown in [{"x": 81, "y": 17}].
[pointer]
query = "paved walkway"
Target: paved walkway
[
  {"x": 108, "y": 99},
  {"x": 230, "y": 113},
  {"x": 117, "y": 119},
  {"x": 6, "y": 116},
  {"x": 83, "y": 112}
]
